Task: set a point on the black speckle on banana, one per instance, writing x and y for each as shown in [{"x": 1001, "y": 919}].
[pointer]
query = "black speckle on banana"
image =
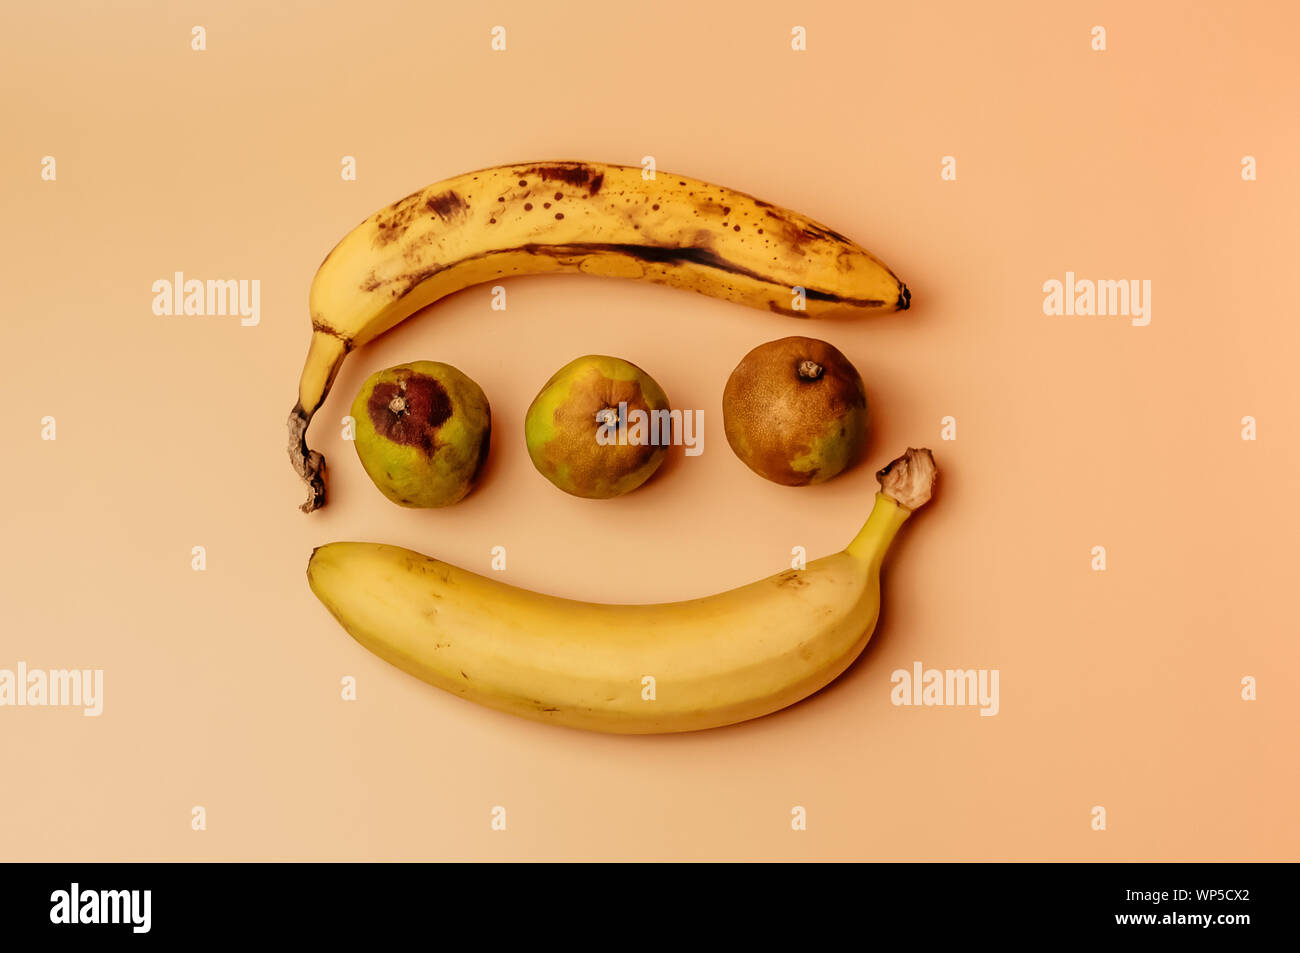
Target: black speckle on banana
[
  {"x": 626, "y": 669},
  {"x": 570, "y": 216}
]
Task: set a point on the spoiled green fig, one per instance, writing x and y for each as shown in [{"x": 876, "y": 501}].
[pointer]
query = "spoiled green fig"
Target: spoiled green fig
[
  {"x": 795, "y": 411},
  {"x": 585, "y": 430},
  {"x": 422, "y": 433}
]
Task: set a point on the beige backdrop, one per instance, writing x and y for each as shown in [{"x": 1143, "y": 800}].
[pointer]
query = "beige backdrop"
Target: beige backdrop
[{"x": 1119, "y": 689}]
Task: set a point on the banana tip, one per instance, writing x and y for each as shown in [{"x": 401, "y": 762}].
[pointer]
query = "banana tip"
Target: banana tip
[
  {"x": 904, "y": 300},
  {"x": 307, "y": 463},
  {"x": 909, "y": 480}
]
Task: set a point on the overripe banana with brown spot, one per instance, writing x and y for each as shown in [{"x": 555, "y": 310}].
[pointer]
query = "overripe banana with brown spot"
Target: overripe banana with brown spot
[{"x": 569, "y": 216}]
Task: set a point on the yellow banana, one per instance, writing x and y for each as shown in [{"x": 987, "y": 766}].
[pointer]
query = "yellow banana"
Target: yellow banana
[
  {"x": 679, "y": 666},
  {"x": 569, "y": 216}
]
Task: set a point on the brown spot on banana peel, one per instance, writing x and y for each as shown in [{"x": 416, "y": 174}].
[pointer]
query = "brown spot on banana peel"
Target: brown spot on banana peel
[
  {"x": 392, "y": 222},
  {"x": 446, "y": 205},
  {"x": 578, "y": 174},
  {"x": 323, "y": 328},
  {"x": 403, "y": 284},
  {"x": 813, "y": 230},
  {"x": 793, "y": 235},
  {"x": 791, "y": 578}
]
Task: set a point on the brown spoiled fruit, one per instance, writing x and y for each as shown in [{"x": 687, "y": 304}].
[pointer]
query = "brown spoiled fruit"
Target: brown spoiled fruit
[
  {"x": 582, "y": 428},
  {"x": 795, "y": 411},
  {"x": 423, "y": 431}
]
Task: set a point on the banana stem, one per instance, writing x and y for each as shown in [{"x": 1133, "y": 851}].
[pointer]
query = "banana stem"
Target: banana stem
[
  {"x": 324, "y": 358},
  {"x": 905, "y": 486},
  {"x": 309, "y": 464},
  {"x": 872, "y": 541}
]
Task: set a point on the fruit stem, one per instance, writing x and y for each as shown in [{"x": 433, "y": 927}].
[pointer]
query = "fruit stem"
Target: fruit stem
[
  {"x": 810, "y": 370},
  {"x": 309, "y": 464},
  {"x": 324, "y": 358},
  {"x": 905, "y": 486},
  {"x": 872, "y": 541}
]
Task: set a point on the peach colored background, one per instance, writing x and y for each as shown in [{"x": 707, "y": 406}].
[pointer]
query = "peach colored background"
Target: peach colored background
[{"x": 222, "y": 688}]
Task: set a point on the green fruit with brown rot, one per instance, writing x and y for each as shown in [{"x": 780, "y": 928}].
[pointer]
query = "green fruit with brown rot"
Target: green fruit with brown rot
[
  {"x": 795, "y": 411},
  {"x": 588, "y": 429},
  {"x": 422, "y": 433}
]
